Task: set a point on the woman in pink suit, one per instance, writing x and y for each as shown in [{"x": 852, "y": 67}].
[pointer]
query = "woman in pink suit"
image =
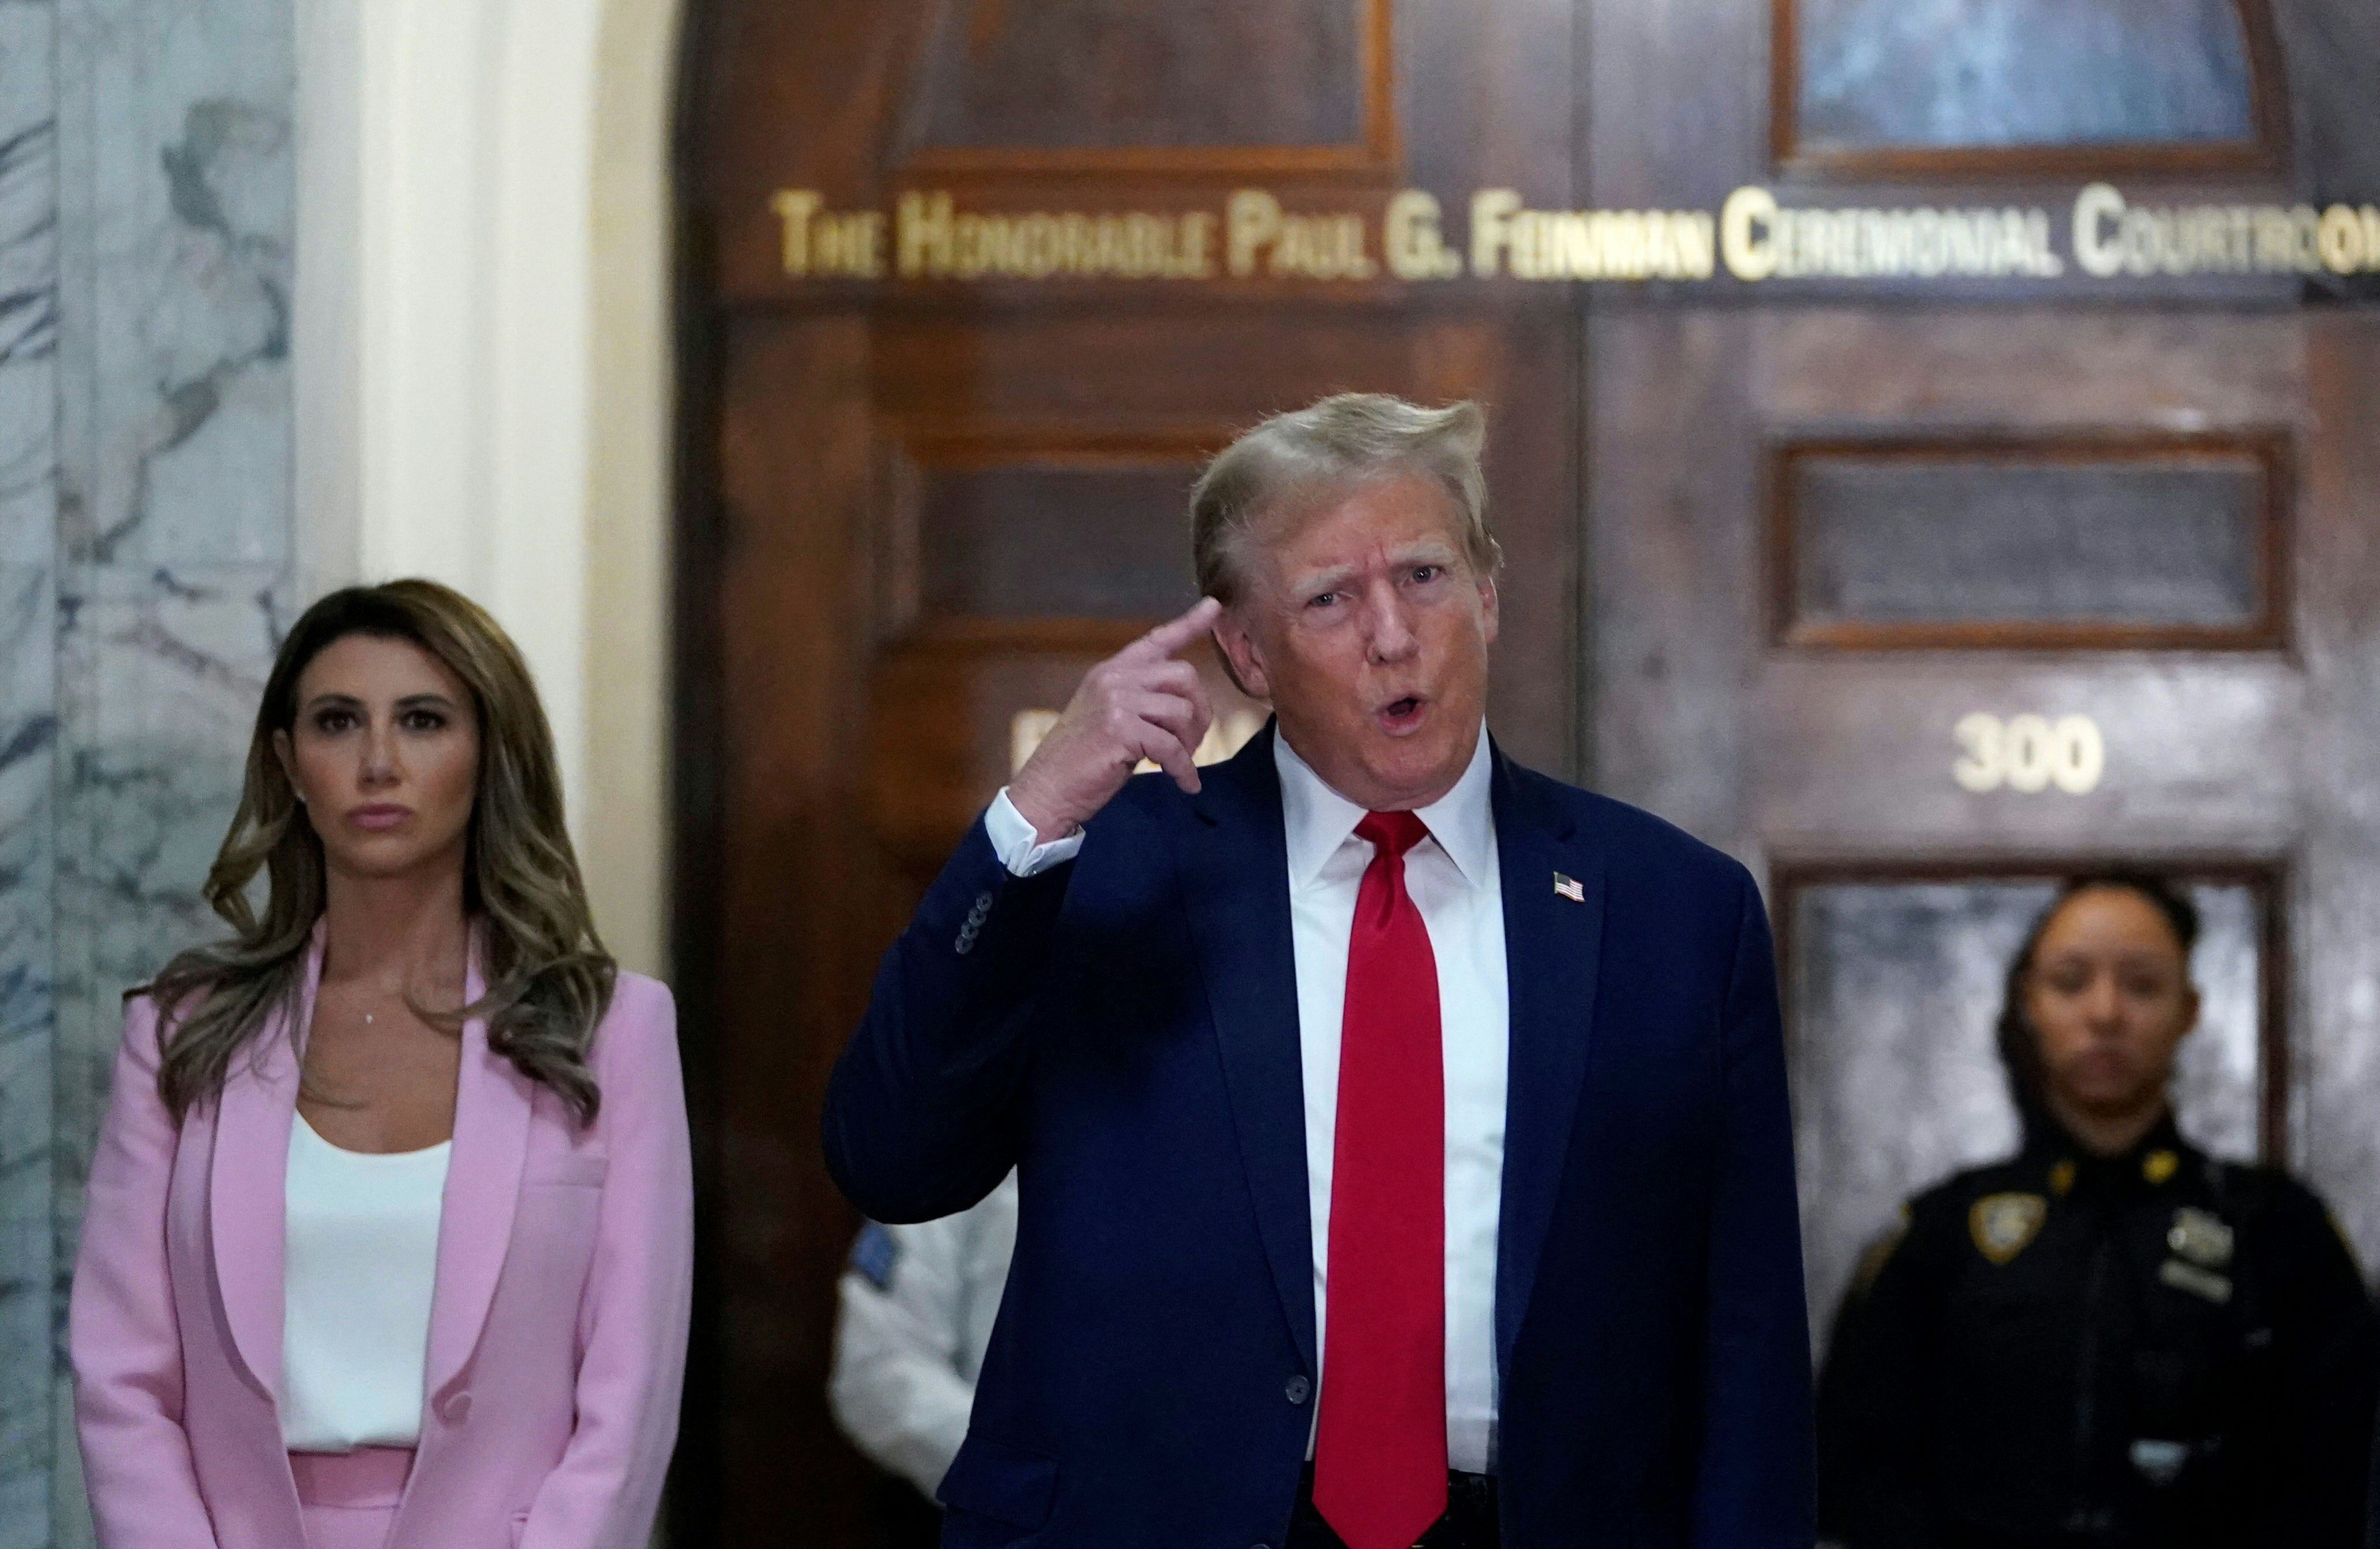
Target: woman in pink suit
[{"x": 389, "y": 1228}]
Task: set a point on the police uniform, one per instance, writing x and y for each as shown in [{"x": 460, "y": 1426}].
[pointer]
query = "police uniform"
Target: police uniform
[
  {"x": 917, "y": 1306},
  {"x": 2154, "y": 1349}
]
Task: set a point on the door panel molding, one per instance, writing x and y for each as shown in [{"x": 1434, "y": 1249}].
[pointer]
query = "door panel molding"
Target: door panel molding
[
  {"x": 1374, "y": 154},
  {"x": 2264, "y": 151},
  {"x": 2268, "y": 451}
]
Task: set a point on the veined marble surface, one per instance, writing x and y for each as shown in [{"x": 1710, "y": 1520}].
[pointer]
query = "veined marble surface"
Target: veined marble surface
[
  {"x": 30, "y": 1306},
  {"x": 145, "y": 235},
  {"x": 160, "y": 671}
]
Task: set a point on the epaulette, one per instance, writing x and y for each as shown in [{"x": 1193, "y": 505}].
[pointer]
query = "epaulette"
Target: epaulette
[{"x": 1879, "y": 1252}]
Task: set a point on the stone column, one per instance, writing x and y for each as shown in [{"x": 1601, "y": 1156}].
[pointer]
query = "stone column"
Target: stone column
[{"x": 145, "y": 556}]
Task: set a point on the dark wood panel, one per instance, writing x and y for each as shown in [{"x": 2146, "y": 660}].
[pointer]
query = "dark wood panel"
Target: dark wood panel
[
  {"x": 2039, "y": 372},
  {"x": 1117, "y": 86},
  {"x": 1870, "y": 88},
  {"x": 942, "y": 719},
  {"x": 1698, "y": 715},
  {"x": 1043, "y": 538},
  {"x": 2000, "y": 541},
  {"x": 795, "y": 902},
  {"x": 1126, "y": 483},
  {"x": 1861, "y": 750}
]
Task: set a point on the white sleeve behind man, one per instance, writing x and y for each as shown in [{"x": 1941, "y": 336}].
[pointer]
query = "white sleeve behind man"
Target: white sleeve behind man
[{"x": 917, "y": 1305}]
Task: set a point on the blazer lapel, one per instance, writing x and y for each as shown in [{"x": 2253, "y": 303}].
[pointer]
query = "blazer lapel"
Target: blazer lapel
[
  {"x": 1552, "y": 944},
  {"x": 248, "y": 1178},
  {"x": 484, "y": 1173},
  {"x": 1235, "y": 890}
]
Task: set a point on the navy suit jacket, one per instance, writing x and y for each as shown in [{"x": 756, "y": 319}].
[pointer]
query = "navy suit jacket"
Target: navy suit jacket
[{"x": 1122, "y": 1030}]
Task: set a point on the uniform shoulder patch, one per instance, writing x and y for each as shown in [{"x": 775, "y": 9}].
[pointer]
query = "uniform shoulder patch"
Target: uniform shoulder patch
[
  {"x": 2003, "y": 1224},
  {"x": 875, "y": 1254},
  {"x": 1879, "y": 1252},
  {"x": 2338, "y": 1229}
]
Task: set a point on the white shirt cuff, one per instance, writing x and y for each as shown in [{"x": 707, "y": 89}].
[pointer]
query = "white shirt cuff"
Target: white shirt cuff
[{"x": 1012, "y": 840}]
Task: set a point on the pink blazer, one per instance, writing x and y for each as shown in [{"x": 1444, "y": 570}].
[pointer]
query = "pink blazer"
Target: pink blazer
[{"x": 557, "y": 1331}]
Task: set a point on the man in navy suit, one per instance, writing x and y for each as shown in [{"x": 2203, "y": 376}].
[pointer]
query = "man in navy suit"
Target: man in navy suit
[{"x": 1402, "y": 1134}]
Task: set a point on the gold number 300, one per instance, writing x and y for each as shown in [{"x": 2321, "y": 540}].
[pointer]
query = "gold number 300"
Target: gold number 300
[{"x": 2029, "y": 753}]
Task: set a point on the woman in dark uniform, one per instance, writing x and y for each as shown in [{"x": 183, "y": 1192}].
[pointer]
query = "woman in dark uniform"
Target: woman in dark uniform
[{"x": 2111, "y": 1338}]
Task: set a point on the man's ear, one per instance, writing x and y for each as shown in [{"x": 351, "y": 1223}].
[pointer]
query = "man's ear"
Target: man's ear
[
  {"x": 1488, "y": 604},
  {"x": 1243, "y": 659}
]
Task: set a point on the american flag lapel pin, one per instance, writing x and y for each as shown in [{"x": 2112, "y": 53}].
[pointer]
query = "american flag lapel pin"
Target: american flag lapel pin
[{"x": 1570, "y": 888}]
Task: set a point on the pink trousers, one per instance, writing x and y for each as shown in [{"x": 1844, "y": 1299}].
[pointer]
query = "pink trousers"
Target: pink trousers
[{"x": 348, "y": 1499}]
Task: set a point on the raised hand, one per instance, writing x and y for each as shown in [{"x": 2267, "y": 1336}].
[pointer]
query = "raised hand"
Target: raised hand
[{"x": 1139, "y": 703}]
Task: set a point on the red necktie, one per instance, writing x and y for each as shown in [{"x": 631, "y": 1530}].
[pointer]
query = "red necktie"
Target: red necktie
[{"x": 1379, "y": 1455}]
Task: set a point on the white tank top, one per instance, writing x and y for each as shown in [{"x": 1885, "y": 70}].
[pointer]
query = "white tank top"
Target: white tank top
[{"x": 359, "y": 1261}]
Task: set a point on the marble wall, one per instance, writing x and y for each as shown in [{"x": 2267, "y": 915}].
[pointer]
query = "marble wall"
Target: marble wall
[{"x": 145, "y": 572}]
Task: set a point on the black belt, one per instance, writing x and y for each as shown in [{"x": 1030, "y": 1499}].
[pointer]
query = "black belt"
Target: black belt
[{"x": 1469, "y": 1522}]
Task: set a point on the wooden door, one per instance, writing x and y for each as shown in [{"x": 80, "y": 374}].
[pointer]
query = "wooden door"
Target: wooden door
[
  {"x": 979, "y": 288},
  {"x": 1881, "y": 503},
  {"x": 1918, "y": 592}
]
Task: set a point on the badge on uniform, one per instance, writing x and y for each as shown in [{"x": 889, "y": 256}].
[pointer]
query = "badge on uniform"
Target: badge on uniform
[
  {"x": 2002, "y": 1224},
  {"x": 2160, "y": 1461},
  {"x": 2196, "y": 1281},
  {"x": 2201, "y": 1244},
  {"x": 875, "y": 1254},
  {"x": 1570, "y": 888},
  {"x": 2200, "y": 1237}
]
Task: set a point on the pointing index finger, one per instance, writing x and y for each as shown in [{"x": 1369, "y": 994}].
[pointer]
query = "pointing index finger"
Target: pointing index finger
[{"x": 1174, "y": 633}]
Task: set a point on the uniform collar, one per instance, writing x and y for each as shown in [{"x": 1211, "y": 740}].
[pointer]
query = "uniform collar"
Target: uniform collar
[
  {"x": 1317, "y": 819},
  {"x": 2151, "y": 1162}
]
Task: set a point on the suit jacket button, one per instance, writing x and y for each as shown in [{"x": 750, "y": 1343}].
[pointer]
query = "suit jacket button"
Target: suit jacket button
[
  {"x": 1297, "y": 1390},
  {"x": 456, "y": 1408}
]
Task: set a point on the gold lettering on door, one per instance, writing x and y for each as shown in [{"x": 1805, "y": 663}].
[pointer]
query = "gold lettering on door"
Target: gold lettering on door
[{"x": 2029, "y": 754}]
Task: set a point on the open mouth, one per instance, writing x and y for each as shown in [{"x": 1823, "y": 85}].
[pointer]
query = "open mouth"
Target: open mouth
[{"x": 1402, "y": 715}]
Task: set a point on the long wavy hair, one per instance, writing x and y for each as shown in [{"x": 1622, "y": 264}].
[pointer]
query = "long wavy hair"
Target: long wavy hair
[
  {"x": 547, "y": 977},
  {"x": 2020, "y": 1047}
]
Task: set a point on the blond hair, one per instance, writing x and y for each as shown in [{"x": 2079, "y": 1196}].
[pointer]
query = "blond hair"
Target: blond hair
[
  {"x": 1344, "y": 439},
  {"x": 547, "y": 977}
]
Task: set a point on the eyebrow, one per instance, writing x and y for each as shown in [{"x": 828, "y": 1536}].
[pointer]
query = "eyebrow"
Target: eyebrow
[
  {"x": 411, "y": 701},
  {"x": 1427, "y": 550},
  {"x": 2122, "y": 957}
]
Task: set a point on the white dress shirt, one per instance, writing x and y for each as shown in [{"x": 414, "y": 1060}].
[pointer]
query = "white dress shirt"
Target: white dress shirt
[
  {"x": 361, "y": 1261},
  {"x": 1453, "y": 879}
]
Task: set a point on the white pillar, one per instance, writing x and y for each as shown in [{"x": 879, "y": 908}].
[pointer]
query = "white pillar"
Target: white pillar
[{"x": 458, "y": 283}]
